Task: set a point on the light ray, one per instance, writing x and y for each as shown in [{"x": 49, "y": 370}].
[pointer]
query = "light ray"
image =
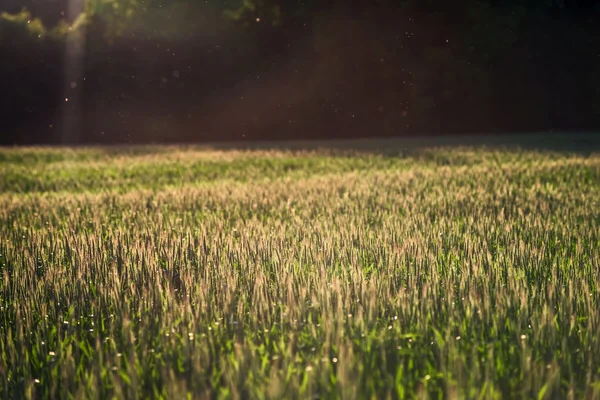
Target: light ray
[{"x": 73, "y": 74}]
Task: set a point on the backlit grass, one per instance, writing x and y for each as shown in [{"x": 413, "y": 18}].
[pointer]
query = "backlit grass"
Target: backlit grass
[{"x": 464, "y": 272}]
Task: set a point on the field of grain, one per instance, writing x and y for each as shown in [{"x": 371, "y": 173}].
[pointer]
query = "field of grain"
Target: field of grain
[{"x": 184, "y": 272}]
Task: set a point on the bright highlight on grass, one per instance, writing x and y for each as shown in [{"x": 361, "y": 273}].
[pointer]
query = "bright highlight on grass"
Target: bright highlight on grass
[{"x": 168, "y": 272}]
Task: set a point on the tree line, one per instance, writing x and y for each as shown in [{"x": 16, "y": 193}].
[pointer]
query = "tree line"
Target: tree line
[{"x": 185, "y": 70}]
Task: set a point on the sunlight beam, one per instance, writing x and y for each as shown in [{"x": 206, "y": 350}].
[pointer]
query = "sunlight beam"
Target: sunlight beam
[{"x": 73, "y": 74}]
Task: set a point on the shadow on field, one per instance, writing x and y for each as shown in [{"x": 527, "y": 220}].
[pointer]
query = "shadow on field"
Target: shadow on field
[
  {"x": 583, "y": 144},
  {"x": 580, "y": 143}
]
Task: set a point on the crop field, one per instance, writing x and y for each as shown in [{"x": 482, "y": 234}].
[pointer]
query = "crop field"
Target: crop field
[{"x": 371, "y": 272}]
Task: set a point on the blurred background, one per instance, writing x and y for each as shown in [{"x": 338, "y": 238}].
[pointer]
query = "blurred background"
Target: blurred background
[{"x": 160, "y": 71}]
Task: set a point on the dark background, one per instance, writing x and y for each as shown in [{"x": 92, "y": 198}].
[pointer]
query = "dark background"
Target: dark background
[{"x": 138, "y": 71}]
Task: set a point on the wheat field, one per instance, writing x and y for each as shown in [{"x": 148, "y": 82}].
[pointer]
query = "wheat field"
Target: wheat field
[{"x": 470, "y": 272}]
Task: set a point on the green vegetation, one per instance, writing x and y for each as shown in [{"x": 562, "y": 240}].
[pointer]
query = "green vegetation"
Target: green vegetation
[{"x": 466, "y": 272}]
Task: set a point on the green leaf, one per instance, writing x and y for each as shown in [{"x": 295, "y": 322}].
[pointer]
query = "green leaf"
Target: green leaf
[
  {"x": 542, "y": 392},
  {"x": 125, "y": 378}
]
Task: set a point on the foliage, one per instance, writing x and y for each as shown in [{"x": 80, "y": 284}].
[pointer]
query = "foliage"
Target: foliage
[
  {"x": 76, "y": 30},
  {"x": 254, "y": 11},
  {"x": 114, "y": 16},
  {"x": 20, "y": 27}
]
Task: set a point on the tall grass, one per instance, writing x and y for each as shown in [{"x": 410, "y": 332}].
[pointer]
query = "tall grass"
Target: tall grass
[{"x": 174, "y": 273}]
